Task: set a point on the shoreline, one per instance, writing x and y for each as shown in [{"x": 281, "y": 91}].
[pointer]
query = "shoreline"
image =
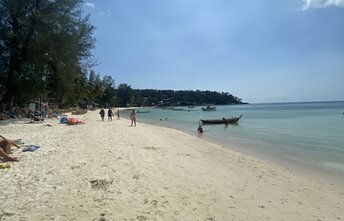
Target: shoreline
[
  {"x": 113, "y": 171},
  {"x": 312, "y": 171}
]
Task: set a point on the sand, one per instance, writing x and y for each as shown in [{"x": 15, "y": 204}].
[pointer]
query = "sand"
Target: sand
[{"x": 111, "y": 171}]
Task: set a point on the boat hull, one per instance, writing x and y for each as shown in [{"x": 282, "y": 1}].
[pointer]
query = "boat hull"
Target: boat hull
[
  {"x": 232, "y": 120},
  {"x": 208, "y": 109}
]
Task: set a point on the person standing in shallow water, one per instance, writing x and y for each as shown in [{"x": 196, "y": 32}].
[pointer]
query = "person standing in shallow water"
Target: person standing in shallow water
[
  {"x": 102, "y": 114},
  {"x": 110, "y": 114},
  {"x": 200, "y": 129},
  {"x": 133, "y": 118}
]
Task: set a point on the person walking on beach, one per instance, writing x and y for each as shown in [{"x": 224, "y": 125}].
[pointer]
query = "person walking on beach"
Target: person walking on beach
[
  {"x": 133, "y": 118},
  {"x": 118, "y": 117},
  {"x": 110, "y": 114},
  {"x": 5, "y": 150},
  {"x": 102, "y": 114}
]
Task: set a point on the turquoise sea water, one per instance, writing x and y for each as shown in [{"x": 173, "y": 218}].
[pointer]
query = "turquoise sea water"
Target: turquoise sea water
[{"x": 309, "y": 134}]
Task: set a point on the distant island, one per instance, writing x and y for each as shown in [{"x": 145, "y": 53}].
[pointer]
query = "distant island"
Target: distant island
[{"x": 151, "y": 97}]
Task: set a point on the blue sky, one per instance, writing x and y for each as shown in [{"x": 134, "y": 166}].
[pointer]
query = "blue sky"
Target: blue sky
[{"x": 261, "y": 51}]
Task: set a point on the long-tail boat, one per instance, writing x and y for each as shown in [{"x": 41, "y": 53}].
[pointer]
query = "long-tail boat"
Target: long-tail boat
[
  {"x": 231, "y": 120},
  {"x": 208, "y": 108}
]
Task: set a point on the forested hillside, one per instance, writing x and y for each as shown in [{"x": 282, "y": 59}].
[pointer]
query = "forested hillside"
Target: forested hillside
[{"x": 183, "y": 97}]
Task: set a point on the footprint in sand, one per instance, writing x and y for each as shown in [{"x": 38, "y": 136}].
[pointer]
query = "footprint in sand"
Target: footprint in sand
[
  {"x": 150, "y": 148},
  {"x": 141, "y": 218},
  {"x": 154, "y": 202},
  {"x": 100, "y": 184}
]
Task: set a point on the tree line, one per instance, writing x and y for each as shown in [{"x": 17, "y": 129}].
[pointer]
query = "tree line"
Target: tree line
[
  {"x": 45, "y": 54},
  {"x": 147, "y": 97},
  {"x": 45, "y": 51}
]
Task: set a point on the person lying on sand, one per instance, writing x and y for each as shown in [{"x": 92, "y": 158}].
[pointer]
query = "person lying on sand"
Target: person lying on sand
[
  {"x": 74, "y": 121},
  {"x": 5, "y": 149}
]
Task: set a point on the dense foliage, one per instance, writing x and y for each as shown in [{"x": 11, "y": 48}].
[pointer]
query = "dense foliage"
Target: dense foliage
[
  {"x": 182, "y": 97},
  {"x": 45, "y": 48},
  {"x": 45, "y": 55}
]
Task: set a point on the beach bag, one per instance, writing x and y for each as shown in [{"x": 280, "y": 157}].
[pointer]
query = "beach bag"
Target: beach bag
[{"x": 63, "y": 120}]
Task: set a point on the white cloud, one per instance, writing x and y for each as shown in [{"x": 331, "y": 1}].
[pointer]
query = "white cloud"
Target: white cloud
[
  {"x": 89, "y": 4},
  {"x": 307, "y": 4},
  {"x": 107, "y": 12}
]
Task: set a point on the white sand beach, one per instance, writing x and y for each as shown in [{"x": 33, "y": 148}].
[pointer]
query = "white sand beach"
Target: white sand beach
[{"x": 111, "y": 171}]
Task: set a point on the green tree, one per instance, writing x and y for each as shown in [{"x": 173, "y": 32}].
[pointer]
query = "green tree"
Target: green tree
[
  {"x": 124, "y": 94},
  {"x": 95, "y": 87},
  {"x": 109, "y": 95},
  {"x": 45, "y": 48}
]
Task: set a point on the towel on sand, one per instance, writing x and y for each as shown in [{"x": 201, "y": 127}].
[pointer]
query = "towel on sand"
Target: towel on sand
[{"x": 30, "y": 148}]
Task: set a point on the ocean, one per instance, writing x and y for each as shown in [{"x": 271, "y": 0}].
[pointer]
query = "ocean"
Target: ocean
[{"x": 307, "y": 135}]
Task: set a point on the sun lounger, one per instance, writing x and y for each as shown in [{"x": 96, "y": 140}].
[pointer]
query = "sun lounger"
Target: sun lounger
[
  {"x": 36, "y": 118},
  {"x": 12, "y": 114}
]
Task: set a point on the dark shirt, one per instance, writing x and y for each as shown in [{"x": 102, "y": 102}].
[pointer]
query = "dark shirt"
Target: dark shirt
[
  {"x": 102, "y": 113},
  {"x": 110, "y": 113}
]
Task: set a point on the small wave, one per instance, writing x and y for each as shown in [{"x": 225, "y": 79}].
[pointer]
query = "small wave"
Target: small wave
[{"x": 332, "y": 165}]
